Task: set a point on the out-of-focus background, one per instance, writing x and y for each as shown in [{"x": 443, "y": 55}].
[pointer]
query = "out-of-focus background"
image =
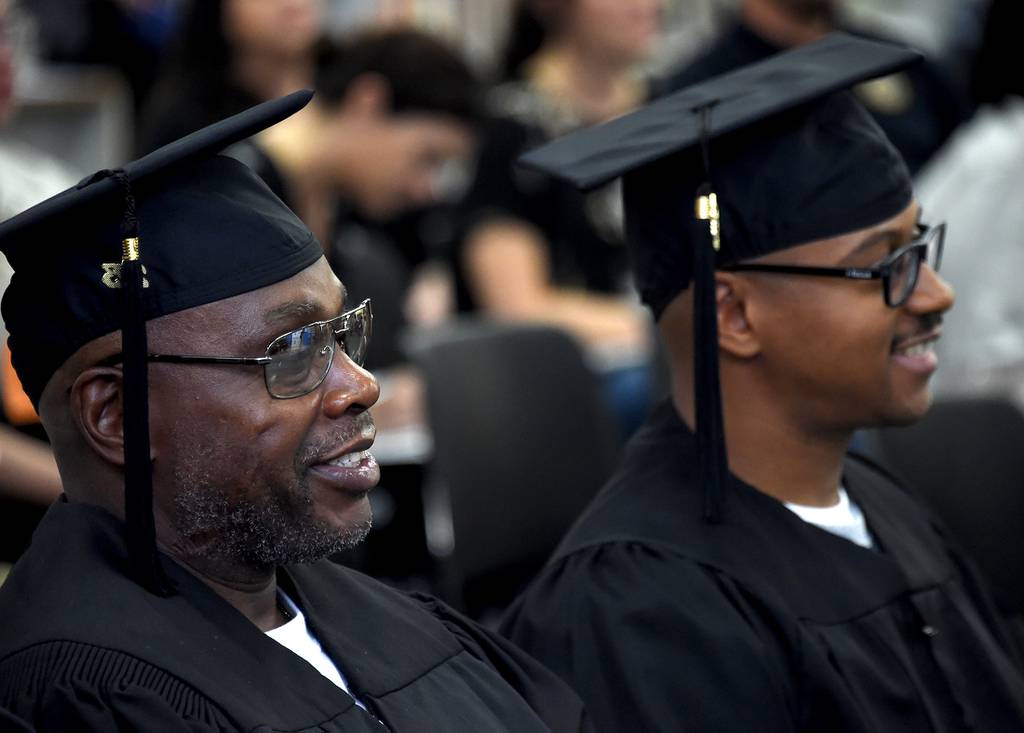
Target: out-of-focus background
[{"x": 514, "y": 356}]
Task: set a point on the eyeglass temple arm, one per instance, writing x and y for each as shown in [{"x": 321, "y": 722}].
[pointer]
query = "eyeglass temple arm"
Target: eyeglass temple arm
[
  {"x": 855, "y": 273},
  {"x": 188, "y": 359}
]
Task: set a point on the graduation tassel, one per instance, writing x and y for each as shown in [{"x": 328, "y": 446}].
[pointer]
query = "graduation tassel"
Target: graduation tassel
[
  {"x": 712, "y": 459},
  {"x": 138, "y": 495}
]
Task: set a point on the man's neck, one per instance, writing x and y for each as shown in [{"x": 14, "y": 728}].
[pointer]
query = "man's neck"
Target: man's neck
[
  {"x": 789, "y": 465},
  {"x": 779, "y": 27},
  {"x": 595, "y": 88},
  {"x": 295, "y": 146},
  {"x": 252, "y": 591},
  {"x": 267, "y": 77},
  {"x": 777, "y": 456}
]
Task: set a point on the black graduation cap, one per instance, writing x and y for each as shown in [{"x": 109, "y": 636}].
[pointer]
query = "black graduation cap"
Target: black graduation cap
[
  {"x": 175, "y": 229},
  {"x": 769, "y": 156}
]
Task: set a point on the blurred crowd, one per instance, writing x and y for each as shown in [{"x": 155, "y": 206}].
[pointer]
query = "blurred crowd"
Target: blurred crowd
[{"x": 403, "y": 165}]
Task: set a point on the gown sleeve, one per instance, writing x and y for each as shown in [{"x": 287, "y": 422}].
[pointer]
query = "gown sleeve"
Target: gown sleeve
[
  {"x": 656, "y": 642},
  {"x": 72, "y": 687},
  {"x": 9, "y": 722},
  {"x": 547, "y": 695}
]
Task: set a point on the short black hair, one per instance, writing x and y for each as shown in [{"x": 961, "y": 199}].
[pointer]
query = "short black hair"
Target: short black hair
[{"x": 423, "y": 72}]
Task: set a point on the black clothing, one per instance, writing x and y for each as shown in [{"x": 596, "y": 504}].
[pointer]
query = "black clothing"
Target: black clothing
[
  {"x": 177, "y": 107},
  {"x": 918, "y": 110},
  {"x": 84, "y": 648},
  {"x": 582, "y": 231},
  {"x": 994, "y": 75},
  {"x": 663, "y": 621}
]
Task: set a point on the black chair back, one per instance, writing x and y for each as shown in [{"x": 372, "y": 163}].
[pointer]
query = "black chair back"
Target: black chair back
[
  {"x": 522, "y": 442},
  {"x": 966, "y": 459}
]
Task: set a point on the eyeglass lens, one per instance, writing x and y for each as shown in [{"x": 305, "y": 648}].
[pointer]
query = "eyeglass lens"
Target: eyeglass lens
[
  {"x": 299, "y": 360},
  {"x": 904, "y": 271}
]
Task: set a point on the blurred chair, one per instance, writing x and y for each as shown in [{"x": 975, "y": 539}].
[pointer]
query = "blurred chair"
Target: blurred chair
[
  {"x": 80, "y": 115},
  {"x": 522, "y": 441},
  {"x": 966, "y": 459}
]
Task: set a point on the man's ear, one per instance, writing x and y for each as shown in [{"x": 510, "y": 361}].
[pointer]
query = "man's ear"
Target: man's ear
[
  {"x": 97, "y": 408},
  {"x": 736, "y": 334},
  {"x": 368, "y": 95}
]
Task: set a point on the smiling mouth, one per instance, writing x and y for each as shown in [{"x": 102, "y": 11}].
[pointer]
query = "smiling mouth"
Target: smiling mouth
[
  {"x": 348, "y": 460},
  {"x": 916, "y": 345},
  {"x": 919, "y": 349}
]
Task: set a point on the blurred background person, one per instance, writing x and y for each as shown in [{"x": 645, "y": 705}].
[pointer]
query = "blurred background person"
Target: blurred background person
[
  {"x": 532, "y": 248},
  {"x": 28, "y": 474},
  {"x": 226, "y": 56},
  {"x": 917, "y": 109},
  {"x": 394, "y": 116}
]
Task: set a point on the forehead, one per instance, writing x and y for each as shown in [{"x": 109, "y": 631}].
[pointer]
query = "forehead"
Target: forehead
[
  {"x": 312, "y": 294},
  {"x": 315, "y": 292},
  {"x": 895, "y": 230}
]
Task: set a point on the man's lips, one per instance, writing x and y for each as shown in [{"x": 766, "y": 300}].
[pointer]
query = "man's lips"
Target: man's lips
[
  {"x": 926, "y": 338},
  {"x": 915, "y": 352},
  {"x": 362, "y": 443},
  {"x": 351, "y": 468}
]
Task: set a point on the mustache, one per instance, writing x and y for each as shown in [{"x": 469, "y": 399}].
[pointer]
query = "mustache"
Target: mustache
[
  {"x": 928, "y": 322},
  {"x": 323, "y": 445},
  {"x": 924, "y": 324}
]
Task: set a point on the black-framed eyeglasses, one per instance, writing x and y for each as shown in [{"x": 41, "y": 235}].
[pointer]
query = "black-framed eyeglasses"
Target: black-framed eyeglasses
[
  {"x": 297, "y": 362},
  {"x": 898, "y": 272}
]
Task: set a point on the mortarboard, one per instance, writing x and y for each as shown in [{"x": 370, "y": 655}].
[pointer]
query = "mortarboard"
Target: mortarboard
[
  {"x": 765, "y": 157},
  {"x": 177, "y": 228}
]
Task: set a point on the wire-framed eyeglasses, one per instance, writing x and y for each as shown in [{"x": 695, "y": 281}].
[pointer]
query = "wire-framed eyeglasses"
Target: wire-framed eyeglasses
[
  {"x": 297, "y": 362},
  {"x": 898, "y": 272}
]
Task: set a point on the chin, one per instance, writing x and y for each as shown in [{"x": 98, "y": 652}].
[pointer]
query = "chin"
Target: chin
[
  {"x": 356, "y": 515},
  {"x": 907, "y": 412}
]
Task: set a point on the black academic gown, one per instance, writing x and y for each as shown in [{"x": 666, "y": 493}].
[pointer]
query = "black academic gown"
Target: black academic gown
[
  {"x": 83, "y": 648},
  {"x": 663, "y": 622}
]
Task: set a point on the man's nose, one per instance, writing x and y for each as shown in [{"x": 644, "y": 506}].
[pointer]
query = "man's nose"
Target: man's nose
[
  {"x": 348, "y": 388},
  {"x": 932, "y": 294}
]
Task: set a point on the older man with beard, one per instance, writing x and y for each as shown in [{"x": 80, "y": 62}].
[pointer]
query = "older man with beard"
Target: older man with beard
[{"x": 198, "y": 369}]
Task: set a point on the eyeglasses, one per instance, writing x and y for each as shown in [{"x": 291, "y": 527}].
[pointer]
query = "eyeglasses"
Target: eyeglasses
[
  {"x": 297, "y": 362},
  {"x": 898, "y": 272}
]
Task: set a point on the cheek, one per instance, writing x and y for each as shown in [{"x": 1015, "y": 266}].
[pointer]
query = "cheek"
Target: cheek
[
  {"x": 837, "y": 343},
  {"x": 227, "y": 430}
]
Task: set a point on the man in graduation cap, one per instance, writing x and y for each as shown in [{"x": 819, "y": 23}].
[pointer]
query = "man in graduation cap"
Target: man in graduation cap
[
  {"x": 782, "y": 585},
  {"x": 197, "y": 366}
]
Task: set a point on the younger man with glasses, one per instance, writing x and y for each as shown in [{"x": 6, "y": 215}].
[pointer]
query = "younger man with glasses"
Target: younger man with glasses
[
  {"x": 741, "y": 572},
  {"x": 198, "y": 369}
]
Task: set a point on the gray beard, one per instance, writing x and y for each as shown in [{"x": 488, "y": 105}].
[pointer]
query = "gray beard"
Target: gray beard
[{"x": 277, "y": 529}]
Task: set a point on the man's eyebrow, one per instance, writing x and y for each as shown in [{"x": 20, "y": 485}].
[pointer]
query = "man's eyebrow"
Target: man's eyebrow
[
  {"x": 892, "y": 236},
  {"x": 299, "y": 309},
  {"x": 291, "y": 310}
]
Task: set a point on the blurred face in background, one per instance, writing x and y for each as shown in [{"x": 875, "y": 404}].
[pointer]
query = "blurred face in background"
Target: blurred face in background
[
  {"x": 273, "y": 27},
  {"x": 623, "y": 31},
  {"x": 409, "y": 164}
]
